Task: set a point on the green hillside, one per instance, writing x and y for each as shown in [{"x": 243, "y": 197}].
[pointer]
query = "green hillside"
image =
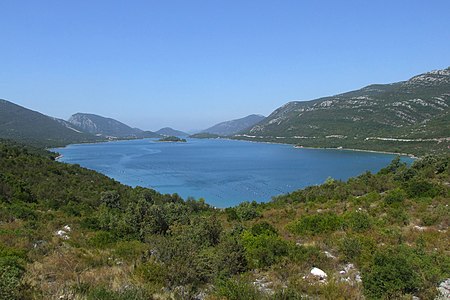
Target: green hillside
[
  {"x": 24, "y": 125},
  {"x": 70, "y": 233},
  {"x": 107, "y": 127},
  {"x": 411, "y": 116}
]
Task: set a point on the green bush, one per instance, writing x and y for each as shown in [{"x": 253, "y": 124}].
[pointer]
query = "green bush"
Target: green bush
[
  {"x": 358, "y": 221},
  {"x": 152, "y": 272},
  {"x": 102, "y": 239},
  {"x": 130, "y": 293},
  {"x": 130, "y": 250},
  {"x": 235, "y": 289},
  {"x": 316, "y": 224},
  {"x": 398, "y": 215},
  {"x": 393, "y": 273},
  {"x": 11, "y": 272},
  {"x": 263, "y": 250},
  {"x": 247, "y": 211},
  {"x": 395, "y": 196},
  {"x": 418, "y": 188},
  {"x": 357, "y": 248}
]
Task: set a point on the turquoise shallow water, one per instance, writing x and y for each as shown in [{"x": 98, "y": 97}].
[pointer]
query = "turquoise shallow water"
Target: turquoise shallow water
[{"x": 224, "y": 172}]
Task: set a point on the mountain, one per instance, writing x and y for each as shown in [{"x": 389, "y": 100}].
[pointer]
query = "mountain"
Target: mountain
[
  {"x": 411, "y": 116},
  {"x": 167, "y": 131},
  {"x": 107, "y": 127},
  {"x": 234, "y": 126},
  {"x": 24, "y": 125}
]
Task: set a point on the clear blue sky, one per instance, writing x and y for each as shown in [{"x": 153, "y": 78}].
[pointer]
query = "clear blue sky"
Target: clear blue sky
[{"x": 189, "y": 64}]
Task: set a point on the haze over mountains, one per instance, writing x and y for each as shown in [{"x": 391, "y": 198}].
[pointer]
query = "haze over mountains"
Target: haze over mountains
[
  {"x": 411, "y": 116},
  {"x": 167, "y": 131},
  {"x": 107, "y": 127},
  {"x": 234, "y": 126},
  {"x": 28, "y": 126}
]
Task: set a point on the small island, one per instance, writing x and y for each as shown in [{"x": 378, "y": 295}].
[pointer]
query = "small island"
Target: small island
[
  {"x": 172, "y": 139},
  {"x": 205, "y": 135}
]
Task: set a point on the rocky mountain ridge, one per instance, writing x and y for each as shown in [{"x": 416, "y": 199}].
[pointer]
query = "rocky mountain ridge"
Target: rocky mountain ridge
[
  {"x": 107, "y": 127},
  {"x": 414, "y": 110}
]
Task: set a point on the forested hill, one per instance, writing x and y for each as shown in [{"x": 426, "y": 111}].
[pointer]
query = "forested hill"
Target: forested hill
[
  {"x": 24, "y": 125},
  {"x": 71, "y": 233},
  {"x": 412, "y": 116}
]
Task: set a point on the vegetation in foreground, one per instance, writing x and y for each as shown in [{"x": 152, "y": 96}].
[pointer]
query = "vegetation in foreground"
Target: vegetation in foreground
[{"x": 70, "y": 233}]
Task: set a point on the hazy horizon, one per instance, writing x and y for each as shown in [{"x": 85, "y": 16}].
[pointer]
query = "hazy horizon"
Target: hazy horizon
[{"x": 192, "y": 64}]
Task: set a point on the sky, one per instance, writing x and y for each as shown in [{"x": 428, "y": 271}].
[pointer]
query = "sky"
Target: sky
[{"x": 191, "y": 64}]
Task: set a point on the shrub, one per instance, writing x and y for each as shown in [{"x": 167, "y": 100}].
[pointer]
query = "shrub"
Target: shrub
[
  {"x": 398, "y": 215},
  {"x": 392, "y": 273},
  {"x": 395, "y": 196},
  {"x": 11, "y": 272},
  {"x": 247, "y": 211},
  {"x": 235, "y": 289},
  {"x": 316, "y": 224},
  {"x": 129, "y": 293},
  {"x": 130, "y": 250},
  {"x": 357, "y": 248},
  {"x": 358, "y": 221},
  {"x": 417, "y": 188},
  {"x": 102, "y": 239},
  {"x": 263, "y": 228},
  {"x": 264, "y": 249},
  {"x": 152, "y": 272}
]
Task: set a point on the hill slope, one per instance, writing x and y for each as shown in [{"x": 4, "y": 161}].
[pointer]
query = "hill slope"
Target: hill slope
[
  {"x": 167, "y": 131},
  {"x": 412, "y": 115},
  {"x": 66, "y": 230},
  {"x": 234, "y": 126},
  {"x": 24, "y": 125},
  {"x": 107, "y": 127}
]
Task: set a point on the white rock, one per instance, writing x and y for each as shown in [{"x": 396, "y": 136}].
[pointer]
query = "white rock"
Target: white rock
[
  {"x": 67, "y": 228},
  {"x": 420, "y": 228},
  {"x": 342, "y": 272},
  {"x": 62, "y": 234},
  {"x": 318, "y": 273},
  {"x": 349, "y": 267},
  {"x": 444, "y": 289}
]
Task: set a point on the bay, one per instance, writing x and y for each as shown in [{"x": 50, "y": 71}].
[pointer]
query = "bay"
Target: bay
[{"x": 223, "y": 172}]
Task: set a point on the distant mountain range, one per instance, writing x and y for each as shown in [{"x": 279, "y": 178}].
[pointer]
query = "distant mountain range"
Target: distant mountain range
[
  {"x": 167, "y": 131},
  {"x": 411, "y": 116},
  {"x": 107, "y": 127},
  {"x": 27, "y": 126},
  {"x": 234, "y": 126},
  {"x": 30, "y": 127}
]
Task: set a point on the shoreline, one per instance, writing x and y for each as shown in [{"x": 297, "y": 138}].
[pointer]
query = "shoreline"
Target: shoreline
[
  {"x": 360, "y": 150},
  {"x": 252, "y": 141},
  {"x": 329, "y": 148}
]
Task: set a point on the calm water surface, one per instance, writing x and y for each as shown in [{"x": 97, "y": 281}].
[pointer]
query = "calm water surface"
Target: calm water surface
[{"x": 224, "y": 172}]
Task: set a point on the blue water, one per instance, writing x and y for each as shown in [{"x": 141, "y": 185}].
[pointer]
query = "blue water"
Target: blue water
[{"x": 223, "y": 172}]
